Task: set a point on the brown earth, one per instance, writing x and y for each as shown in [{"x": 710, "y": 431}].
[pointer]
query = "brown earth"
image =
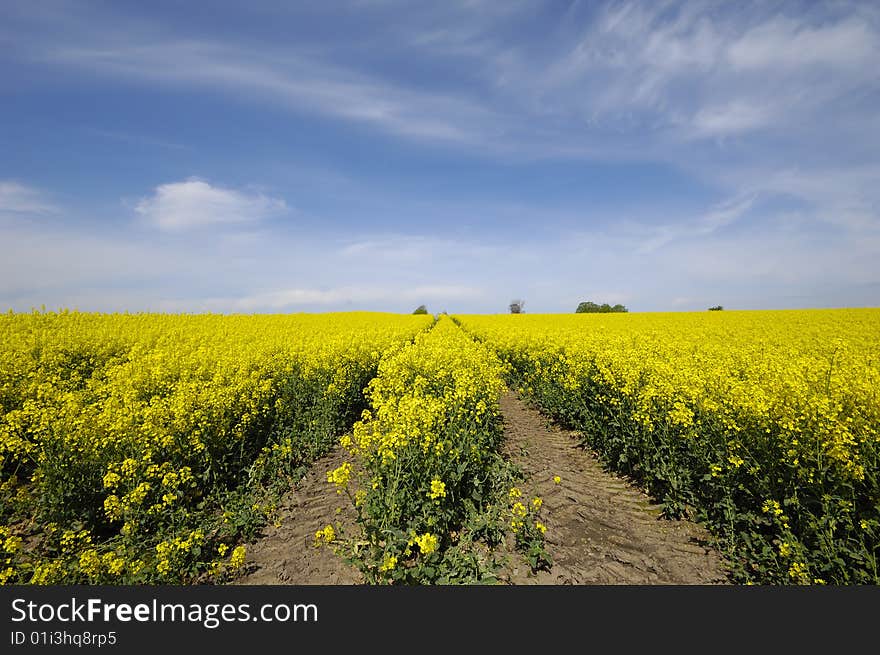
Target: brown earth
[
  {"x": 286, "y": 554},
  {"x": 600, "y": 528}
]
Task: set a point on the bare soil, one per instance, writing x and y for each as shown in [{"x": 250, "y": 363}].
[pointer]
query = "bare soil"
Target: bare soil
[
  {"x": 287, "y": 554},
  {"x": 600, "y": 528}
]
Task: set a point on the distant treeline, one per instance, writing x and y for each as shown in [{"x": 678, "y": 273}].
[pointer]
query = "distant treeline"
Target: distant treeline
[{"x": 604, "y": 308}]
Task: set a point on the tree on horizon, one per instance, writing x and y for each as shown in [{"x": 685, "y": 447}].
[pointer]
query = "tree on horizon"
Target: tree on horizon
[{"x": 588, "y": 307}]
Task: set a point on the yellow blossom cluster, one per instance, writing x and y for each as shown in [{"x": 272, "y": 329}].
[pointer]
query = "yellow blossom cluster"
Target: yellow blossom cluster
[
  {"x": 122, "y": 424},
  {"x": 326, "y": 535},
  {"x": 731, "y": 414},
  {"x": 438, "y": 489},
  {"x": 236, "y": 560},
  {"x": 340, "y": 476},
  {"x": 425, "y": 445},
  {"x": 427, "y": 543}
]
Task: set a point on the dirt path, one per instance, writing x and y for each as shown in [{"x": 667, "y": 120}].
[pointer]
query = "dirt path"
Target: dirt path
[
  {"x": 600, "y": 530},
  {"x": 287, "y": 554}
]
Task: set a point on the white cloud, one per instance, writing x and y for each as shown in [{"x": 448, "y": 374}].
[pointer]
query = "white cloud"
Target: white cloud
[
  {"x": 786, "y": 44},
  {"x": 671, "y": 72},
  {"x": 195, "y": 203},
  {"x": 304, "y": 82},
  {"x": 623, "y": 79},
  {"x": 415, "y": 249},
  {"x": 293, "y": 297},
  {"x": 731, "y": 118},
  {"x": 16, "y": 198},
  {"x": 720, "y": 215},
  {"x": 343, "y": 296},
  {"x": 443, "y": 292},
  {"x": 845, "y": 197},
  {"x": 772, "y": 264},
  {"x": 51, "y": 264},
  {"x": 744, "y": 104},
  {"x": 724, "y": 213}
]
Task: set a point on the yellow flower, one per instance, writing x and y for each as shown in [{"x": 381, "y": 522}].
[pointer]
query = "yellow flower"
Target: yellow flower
[
  {"x": 112, "y": 508},
  {"x": 556, "y": 479},
  {"x": 805, "y": 381},
  {"x": 389, "y": 563},
  {"x": 537, "y": 503},
  {"x": 541, "y": 527},
  {"x": 237, "y": 559},
  {"x": 12, "y": 544},
  {"x": 49, "y": 572},
  {"x": 221, "y": 549},
  {"x": 438, "y": 489},
  {"x": 90, "y": 562},
  {"x": 427, "y": 543},
  {"x": 325, "y": 535},
  {"x": 798, "y": 572},
  {"x": 111, "y": 479},
  {"x": 340, "y": 476},
  {"x": 115, "y": 565},
  {"x": 514, "y": 493}
]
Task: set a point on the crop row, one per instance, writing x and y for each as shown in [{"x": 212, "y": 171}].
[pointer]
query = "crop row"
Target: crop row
[
  {"x": 764, "y": 425},
  {"x": 142, "y": 448},
  {"x": 432, "y": 493}
]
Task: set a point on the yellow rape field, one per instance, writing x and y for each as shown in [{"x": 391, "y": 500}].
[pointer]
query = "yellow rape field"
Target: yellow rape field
[
  {"x": 430, "y": 488},
  {"x": 763, "y": 424},
  {"x": 142, "y": 447}
]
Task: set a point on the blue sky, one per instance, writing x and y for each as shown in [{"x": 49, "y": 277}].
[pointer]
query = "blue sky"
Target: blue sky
[{"x": 376, "y": 154}]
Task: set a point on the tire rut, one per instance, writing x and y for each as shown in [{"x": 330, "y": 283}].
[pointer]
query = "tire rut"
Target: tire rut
[
  {"x": 286, "y": 553},
  {"x": 600, "y": 529}
]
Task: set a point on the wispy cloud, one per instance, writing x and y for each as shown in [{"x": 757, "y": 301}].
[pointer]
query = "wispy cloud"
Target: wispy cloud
[
  {"x": 844, "y": 197},
  {"x": 784, "y": 44},
  {"x": 649, "y": 238},
  {"x": 195, "y": 203},
  {"x": 700, "y": 72},
  {"x": 18, "y": 199},
  {"x": 763, "y": 117},
  {"x": 302, "y": 81},
  {"x": 415, "y": 248},
  {"x": 359, "y": 296},
  {"x": 732, "y": 118},
  {"x": 135, "y": 139}
]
